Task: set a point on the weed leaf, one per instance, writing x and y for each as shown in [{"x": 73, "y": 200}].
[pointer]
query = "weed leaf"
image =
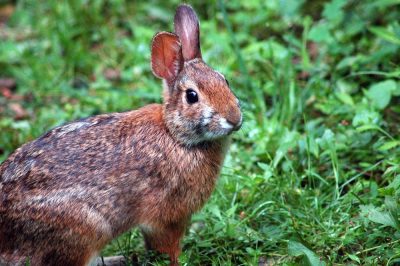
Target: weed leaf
[
  {"x": 389, "y": 145},
  {"x": 385, "y": 34},
  {"x": 380, "y": 217},
  {"x": 297, "y": 249},
  {"x": 381, "y": 93}
]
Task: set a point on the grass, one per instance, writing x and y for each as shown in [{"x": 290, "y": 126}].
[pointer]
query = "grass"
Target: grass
[{"x": 313, "y": 176}]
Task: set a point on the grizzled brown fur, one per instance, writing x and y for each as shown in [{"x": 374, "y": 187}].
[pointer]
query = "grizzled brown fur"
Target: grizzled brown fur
[{"x": 65, "y": 195}]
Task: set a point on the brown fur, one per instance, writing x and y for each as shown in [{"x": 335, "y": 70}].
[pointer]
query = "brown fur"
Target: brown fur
[{"x": 65, "y": 195}]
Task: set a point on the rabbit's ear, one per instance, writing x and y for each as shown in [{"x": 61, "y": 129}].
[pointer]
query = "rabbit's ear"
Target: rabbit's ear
[
  {"x": 186, "y": 26},
  {"x": 166, "y": 55}
]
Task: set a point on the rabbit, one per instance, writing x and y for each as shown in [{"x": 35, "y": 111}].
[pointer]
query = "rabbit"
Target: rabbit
[{"x": 67, "y": 194}]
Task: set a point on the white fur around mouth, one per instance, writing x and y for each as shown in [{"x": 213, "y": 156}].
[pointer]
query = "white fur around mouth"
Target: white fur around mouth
[
  {"x": 224, "y": 130},
  {"x": 210, "y": 135},
  {"x": 224, "y": 124}
]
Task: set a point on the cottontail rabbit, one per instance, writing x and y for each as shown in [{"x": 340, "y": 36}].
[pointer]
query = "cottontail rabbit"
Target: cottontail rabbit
[{"x": 65, "y": 195}]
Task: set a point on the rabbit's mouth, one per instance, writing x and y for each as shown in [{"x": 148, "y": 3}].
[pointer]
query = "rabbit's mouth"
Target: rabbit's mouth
[
  {"x": 218, "y": 127},
  {"x": 224, "y": 128},
  {"x": 212, "y": 126}
]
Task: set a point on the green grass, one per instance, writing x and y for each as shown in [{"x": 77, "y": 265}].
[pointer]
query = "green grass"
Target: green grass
[{"x": 312, "y": 178}]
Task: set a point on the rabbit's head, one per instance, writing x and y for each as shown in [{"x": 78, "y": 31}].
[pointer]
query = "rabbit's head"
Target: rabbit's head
[{"x": 198, "y": 103}]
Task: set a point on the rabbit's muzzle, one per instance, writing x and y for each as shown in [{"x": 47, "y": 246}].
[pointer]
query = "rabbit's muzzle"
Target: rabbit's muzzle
[{"x": 235, "y": 119}]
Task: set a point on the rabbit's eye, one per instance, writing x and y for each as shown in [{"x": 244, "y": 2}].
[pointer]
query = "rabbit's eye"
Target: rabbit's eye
[{"x": 191, "y": 96}]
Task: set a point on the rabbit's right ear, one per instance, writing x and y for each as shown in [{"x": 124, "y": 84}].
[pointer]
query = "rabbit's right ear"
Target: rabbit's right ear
[
  {"x": 186, "y": 26},
  {"x": 166, "y": 55}
]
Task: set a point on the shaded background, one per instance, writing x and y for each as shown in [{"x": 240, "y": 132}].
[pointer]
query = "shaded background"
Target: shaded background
[{"x": 313, "y": 176}]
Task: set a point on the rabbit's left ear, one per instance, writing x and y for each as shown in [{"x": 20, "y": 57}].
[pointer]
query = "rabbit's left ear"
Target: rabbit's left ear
[
  {"x": 186, "y": 26},
  {"x": 166, "y": 56}
]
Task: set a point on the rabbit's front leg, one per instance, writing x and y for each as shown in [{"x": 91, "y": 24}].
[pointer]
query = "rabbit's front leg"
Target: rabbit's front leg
[{"x": 165, "y": 239}]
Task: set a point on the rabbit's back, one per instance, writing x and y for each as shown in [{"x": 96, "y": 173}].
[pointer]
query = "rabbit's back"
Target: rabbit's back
[{"x": 91, "y": 160}]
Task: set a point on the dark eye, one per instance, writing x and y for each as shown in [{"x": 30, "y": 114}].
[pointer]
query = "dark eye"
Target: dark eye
[
  {"x": 227, "y": 82},
  {"x": 191, "y": 96}
]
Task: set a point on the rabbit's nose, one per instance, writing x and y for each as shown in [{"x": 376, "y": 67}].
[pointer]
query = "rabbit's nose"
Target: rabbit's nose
[{"x": 234, "y": 118}]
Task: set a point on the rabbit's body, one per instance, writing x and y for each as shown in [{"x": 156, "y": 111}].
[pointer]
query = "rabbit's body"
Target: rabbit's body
[
  {"x": 70, "y": 192},
  {"x": 85, "y": 193}
]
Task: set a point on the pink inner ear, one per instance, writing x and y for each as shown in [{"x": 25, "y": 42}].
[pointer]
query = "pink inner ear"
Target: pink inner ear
[{"x": 166, "y": 55}]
